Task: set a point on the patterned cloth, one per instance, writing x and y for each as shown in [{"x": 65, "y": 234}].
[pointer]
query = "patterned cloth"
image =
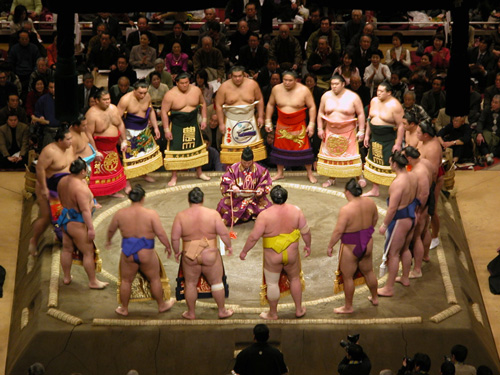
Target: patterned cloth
[{"x": 377, "y": 168}]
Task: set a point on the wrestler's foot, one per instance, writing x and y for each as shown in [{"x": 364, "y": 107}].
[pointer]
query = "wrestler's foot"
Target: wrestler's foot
[
  {"x": 117, "y": 195},
  {"x": 362, "y": 182},
  {"x": 426, "y": 260},
  {"x": 385, "y": 292},
  {"x": 98, "y": 284},
  {"x": 415, "y": 274},
  {"x": 277, "y": 176},
  {"x": 97, "y": 205},
  {"x": 204, "y": 177},
  {"x": 187, "y": 315},
  {"x": 148, "y": 178},
  {"x": 300, "y": 312},
  {"x": 67, "y": 280},
  {"x": 172, "y": 181},
  {"x": 120, "y": 310},
  {"x": 373, "y": 300},
  {"x": 32, "y": 248},
  {"x": 268, "y": 316},
  {"x": 128, "y": 188},
  {"x": 434, "y": 243},
  {"x": 226, "y": 313},
  {"x": 402, "y": 280},
  {"x": 328, "y": 183},
  {"x": 371, "y": 193},
  {"x": 312, "y": 179},
  {"x": 166, "y": 305},
  {"x": 343, "y": 310}
]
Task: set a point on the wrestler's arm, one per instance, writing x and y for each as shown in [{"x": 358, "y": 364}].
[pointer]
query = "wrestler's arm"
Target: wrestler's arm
[
  {"x": 153, "y": 119},
  {"x": 422, "y": 191},
  {"x": 375, "y": 213},
  {"x": 398, "y": 120},
  {"x": 309, "y": 99},
  {"x": 122, "y": 105},
  {"x": 175, "y": 237},
  {"x": 339, "y": 229},
  {"x": 269, "y": 111},
  {"x": 260, "y": 104},
  {"x": 203, "y": 104},
  {"x": 82, "y": 199},
  {"x": 223, "y": 233},
  {"x": 90, "y": 130},
  {"x": 123, "y": 133},
  {"x": 43, "y": 163},
  {"x": 368, "y": 132},
  {"x": 166, "y": 104},
  {"x": 395, "y": 197},
  {"x": 113, "y": 227},
  {"x": 160, "y": 232},
  {"x": 305, "y": 231},
  {"x": 321, "y": 113},
  {"x": 219, "y": 102},
  {"x": 255, "y": 235},
  {"x": 360, "y": 113}
]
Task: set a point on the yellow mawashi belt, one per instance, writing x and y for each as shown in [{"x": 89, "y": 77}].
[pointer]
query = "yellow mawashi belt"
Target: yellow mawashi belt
[{"x": 281, "y": 242}]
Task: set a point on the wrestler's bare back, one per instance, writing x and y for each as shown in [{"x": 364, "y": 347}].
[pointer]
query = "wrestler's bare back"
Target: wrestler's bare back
[
  {"x": 231, "y": 94},
  {"x": 104, "y": 122},
  {"x": 360, "y": 213},
  {"x": 175, "y": 100},
  {"x": 198, "y": 222},
  {"x": 404, "y": 189},
  {"x": 271, "y": 221},
  {"x": 411, "y": 138},
  {"x": 340, "y": 107},
  {"x": 137, "y": 221},
  {"x": 387, "y": 112},
  {"x": 432, "y": 151},
  {"x": 72, "y": 190},
  {"x": 292, "y": 100}
]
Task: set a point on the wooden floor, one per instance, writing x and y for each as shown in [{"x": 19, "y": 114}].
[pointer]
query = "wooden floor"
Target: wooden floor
[{"x": 477, "y": 195}]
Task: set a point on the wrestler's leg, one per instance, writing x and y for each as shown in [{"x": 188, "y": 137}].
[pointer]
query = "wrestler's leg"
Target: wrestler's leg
[
  {"x": 426, "y": 239},
  {"x": 310, "y": 176},
  {"x": 213, "y": 270},
  {"x": 374, "y": 192},
  {"x": 40, "y": 224},
  {"x": 435, "y": 224},
  {"x": 361, "y": 181},
  {"x": 418, "y": 246},
  {"x": 78, "y": 231},
  {"x": 128, "y": 271},
  {"x": 348, "y": 266},
  {"x": 128, "y": 188},
  {"x": 150, "y": 266},
  {"x": 329, "y": 182},
  {"x": 66, "y": 257},
  {"x": 173, "y": 179},
  {"x": 201, "y": 175},
  {"x": 365, "y": 265},
  {"x": 405, "y": 258},
  {"x": 148, "y": 178},
  {"x": 399, "y": 235},
  {"x": 279, "y": 175},
  {"x": 273, "y": 267},
  {"x": 293, "y": 271},
  {"x": 192, "y": 271}
]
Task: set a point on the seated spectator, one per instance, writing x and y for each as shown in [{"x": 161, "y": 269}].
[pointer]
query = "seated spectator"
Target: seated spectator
[
  {"x": 440, "y": 54},
  {"x": 6, "y": 88},
  {"x": 346, "y": 69},
  {"x": 361, "y": 54},
  {"x": 165, "y": 76},
  {"x": 42, "y": 71},
  {"x": 238, "y": 40},
  {"x": 351, "y": 28},
  {"x": 266, "y": 90},
  {"x": 214, "y": 163},
  {"x": 14, "y": 142},
  {"x": 322, "y": 62},
  {"x": 491, "y": 91},
  {"x": 157, "y": 91},
  {"x": 285, "y": 48},
  {"x": 134, "y": 38},
  {"x": 38, "y": 89},
  {"x": 264, "y": 76},
  {"x": 176, "y": 61},
  {"x": 411, "y": 107},
  {"x": 376, "y": 72},
  {"x": 85, "y": 91},
  {"x": 13, "y": 106},
  {"x": 457, "y": 136},
  {"x": 475, "y": 100},
  {"x": 399, "y": 88},
  {"x": 488, "y": 132},
  {"x": 325, "y": 30},
  {"x": 212, "y": 131},
  {"x": 201, "y": 81},
  {"x": 495, "y": 45},
  {"x": 251, "y": 17},
  {"x": 112, "y": 25},
  {"x": 481, "y": 61},
  {"x": 177, "y": 35},
  {"x": 210, "y": 16},
  {"x": 18, "y": 17},
  {"x": 210, "y": 59},
  {"x": 310, "y": 25},
  {"x": 447, "y": 368},
  {"x": 219, "y": 39},
  {"x": 355, "y": 361},
  {"x": 33, "y": 35},
  {"x": 421, "y": 77},
  {"x": 356, "y": 85},
  {"x": 52, "y": 52},
  {"x": 103, "y": 57},
  {"x": 45, "y": 116},
  {"x": 458, "y": 356},
  {"x": 368, "y": 29},
  {"x": 434, "y": 99},
  {"x": 253, "y": 56},
  {"x": 143, "y": 56},
  {"x": 121, "y": 88},
  {"x": 398, "y": 58},
  {"x": 123, "y": 69},
  {"x": 234, "y": 11},
  {"x": 95, "y": 41}
]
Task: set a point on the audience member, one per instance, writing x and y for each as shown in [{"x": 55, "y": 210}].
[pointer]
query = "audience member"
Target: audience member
[
  {"x": 134, "y": 38},
  {"x": 481, "y": 61},
  {"x": 351, "y": 28},
  {"x": 6, "y": 88},
  {"x": 176, "y": 61},
  {"x": 104, "y": 56},
  {"x": 422, "y": 76},
  {"x": 85, "y": 91},
  {"x": 361, "y": 55},
  {"x": 488, "y": 131},
  {"x": 112, "y": 25},
  {"x": 457, "y": 136},
  {"x": 253, "y": 56},
  {"x": 165, "y": 76},
  {"x": 238, "y": 40},
  {"x": 157, "y": 91},
  {"x": 346, "y": 69},
  {"x": 264, "y": 76},
  {"x": 310, "y": 25},
  {"x": 440, "y": 54},
  {"x": 325, "y": 30},
  {"x": 355, "y": 361},
  {"x": 36, "y": 369},
  {"x": 322, "y": 62},
  {"x": 209, "y": 59},
  {"x": 410, "y": 107},
  {"x": 42, "y": 71},
  {"x": 123, "y": 69},
  {"x": 398, "y": 57},
  {"x": 177, "y": 35},
  {"x": 376, "y": 72},
  {"x": 13, "y": 106},
  {"x": 37, "y": 90},
  {"x": 251, "y": 17},
  {"x": 143, "y": 55},
  {"x": 447, "y": 368},
  {"x": 368, "y": 29},
  {"x": 357, "y": 86},
  {"x": 45, "y": 113},
  {"x": 121, "y": 88},
  {"x": 219, "y": 39},
  {"x": 211, "y": 16},
  {"x": 201, "y": 81},
  {"x": 399, "y": 88},
  {"x": 285, "y": 48},
  {"x": 14, "y": 142},
  {"x": 491, "y": 91},
  {"x": 95, "y": 41},
  {"x": 434, "y": 99},
  {"x": 458, "y": 356}
]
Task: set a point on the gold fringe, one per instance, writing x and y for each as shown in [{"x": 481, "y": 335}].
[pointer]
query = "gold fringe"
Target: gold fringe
[
  {"x": 24, "y": 318},
  {"x": 231, "y": 154},
  {"x": 445, "y": 274},
  {"x": 109, "y": 276},
  {"x": 445, "y": 314},
  {"x": 65, "y": 317},
  {"x": 142, "y": 165},
  {"x": 175, "y": 160},
  {"x": 336, "y": 170},
  {"x": 477, "y": 313},
  {"x": 378, "y": 174},
  {"x": 53, "y": 299}
]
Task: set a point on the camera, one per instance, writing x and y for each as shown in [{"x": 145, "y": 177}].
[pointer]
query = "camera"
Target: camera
[
  {"x": 410, "y": 364},
  {"x": 351, "y": 339}
]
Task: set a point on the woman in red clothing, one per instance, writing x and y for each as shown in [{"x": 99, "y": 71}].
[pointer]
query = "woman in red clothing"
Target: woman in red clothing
[
  {"x": 37, "y": 90},
  {"x": 440, "y": 54}
]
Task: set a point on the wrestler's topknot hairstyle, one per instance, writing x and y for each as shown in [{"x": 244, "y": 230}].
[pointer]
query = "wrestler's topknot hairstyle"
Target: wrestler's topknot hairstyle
[
  {"x": 410, "y": 117},
  {"x": 261, "y": 332},
  {"x": 182, "y": 76},
  {"x": 353, "y": 187},
  {"x": 338, "y": 77},
  {"x": 137, "y": 193},
  {"x": 237, "y": 68},
  {"x": 100, "y": 93},
  {"x": 398, "y": 158},
  {"x": 290, "y": 73},
  {"x": 77, "y": 166},
  {"x": 79, "y": 119},
  {"x": 387, "y": 85},
  {"x": 427, "y": 128},
  {"x": 279, "y": 195},
  {"x": 247, "y": 154},
  {"x": 412, "y": 152},
  {"x": 36, "y": 369},
  {"x": 140, "y": 84},
  {"x": 61, "y": 133},
  {"x": 195, "y": 196}
]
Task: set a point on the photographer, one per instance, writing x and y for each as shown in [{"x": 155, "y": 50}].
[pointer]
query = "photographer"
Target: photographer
[
  {"x": 356, "y": 362},
  {"x": 419, "y": 365}
]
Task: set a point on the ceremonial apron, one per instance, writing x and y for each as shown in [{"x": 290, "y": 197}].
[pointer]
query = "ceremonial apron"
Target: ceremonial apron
[{"x": 377, "y": 168}]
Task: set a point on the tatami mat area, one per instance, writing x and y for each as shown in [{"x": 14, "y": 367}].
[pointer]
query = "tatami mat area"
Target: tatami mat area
[{"x": 478, "y": 200}]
